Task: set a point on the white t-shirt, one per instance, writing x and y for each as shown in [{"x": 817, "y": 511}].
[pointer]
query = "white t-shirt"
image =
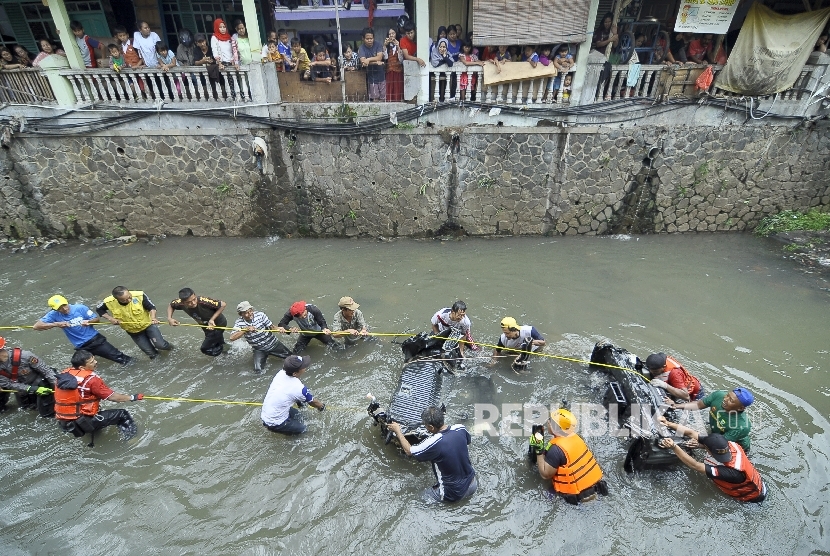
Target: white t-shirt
[
  {"x": 147, "y": 48},
  {"x": 442, "y": 320},
  {"x": 282, "y": 394}
]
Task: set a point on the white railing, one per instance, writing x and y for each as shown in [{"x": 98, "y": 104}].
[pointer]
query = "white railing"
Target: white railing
[
  {"x": 184, "y": 84},
  {"x": 616, "y": 86},
  {"x": 446, "y": 86},
  {"x": 25, "y": 86},
  {"x": 664, "y": 82}
]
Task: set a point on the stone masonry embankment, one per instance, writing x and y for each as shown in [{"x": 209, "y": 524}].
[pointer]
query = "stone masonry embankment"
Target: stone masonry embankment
[{"x": 414, "y": 182}]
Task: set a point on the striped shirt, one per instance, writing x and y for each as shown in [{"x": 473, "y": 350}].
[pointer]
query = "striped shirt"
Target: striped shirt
[{"x": 259, "y": 339}]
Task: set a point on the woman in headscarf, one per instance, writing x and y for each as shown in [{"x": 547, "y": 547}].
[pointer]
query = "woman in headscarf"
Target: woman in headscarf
[
  {"x": 440, "y": 54},
  {"x": 223, "y": 46}
]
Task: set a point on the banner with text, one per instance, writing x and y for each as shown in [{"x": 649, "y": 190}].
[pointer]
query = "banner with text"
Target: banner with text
[{"x": 705, "y": 16}]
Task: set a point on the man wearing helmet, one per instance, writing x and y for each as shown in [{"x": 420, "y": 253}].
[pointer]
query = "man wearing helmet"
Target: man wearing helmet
[
  {"x": 32, "y": 380},
  {"x": 184, "y": 52},
  {"x": 76, "y": 322},
  {"x": 567, "y": 460}
]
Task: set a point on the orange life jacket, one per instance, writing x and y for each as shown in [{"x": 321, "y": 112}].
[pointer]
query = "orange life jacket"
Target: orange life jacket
[
  {"x": 691, "y": 383},
  {"x": 15, "y": 366},
  {"x": 581, "y": 471},
  {"x": 746, "y": 491},
  {"x": 71, "y": 404}
]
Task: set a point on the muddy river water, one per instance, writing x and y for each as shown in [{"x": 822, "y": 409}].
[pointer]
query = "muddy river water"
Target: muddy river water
[{"x": 206, "y": 478}]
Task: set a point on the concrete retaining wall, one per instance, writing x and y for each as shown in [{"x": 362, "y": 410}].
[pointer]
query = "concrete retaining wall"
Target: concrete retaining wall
[{"x": 414, "y": 182}]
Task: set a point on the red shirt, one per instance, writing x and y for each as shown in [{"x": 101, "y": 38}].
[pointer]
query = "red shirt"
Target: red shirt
[
  {"x": 98, "y": 388},
  {"x": 696, "y": 49},
  {"x": 409, "y": 46}
]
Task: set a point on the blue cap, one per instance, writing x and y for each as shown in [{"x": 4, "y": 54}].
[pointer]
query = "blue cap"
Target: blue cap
[{"x": 744, "y": 396}]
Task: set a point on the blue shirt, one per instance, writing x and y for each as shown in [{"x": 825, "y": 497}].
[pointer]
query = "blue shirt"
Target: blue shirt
[
  {"x": 76, "y": 332},
  {"x": 447, "y": 450}
]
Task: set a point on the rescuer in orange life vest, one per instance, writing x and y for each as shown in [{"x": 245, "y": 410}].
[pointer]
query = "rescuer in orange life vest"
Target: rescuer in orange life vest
[
  {"x": 32, "y": 380},
  {"x": 78, "y": 392},
  {"x": 726, "y": 464},
  {"x": 567, "y": 460}
]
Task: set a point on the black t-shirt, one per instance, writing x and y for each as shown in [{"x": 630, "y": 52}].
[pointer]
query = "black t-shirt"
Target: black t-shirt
[{"x": 204, "y": 310}]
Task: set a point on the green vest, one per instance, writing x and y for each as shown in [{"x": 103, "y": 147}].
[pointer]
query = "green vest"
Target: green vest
[{"x": 134, "y": 318}]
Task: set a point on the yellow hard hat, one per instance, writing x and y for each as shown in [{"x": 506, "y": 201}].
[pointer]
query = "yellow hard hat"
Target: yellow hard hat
[
  {"x": 57, "y": 301},
  {"x": 564, "y": 419}
]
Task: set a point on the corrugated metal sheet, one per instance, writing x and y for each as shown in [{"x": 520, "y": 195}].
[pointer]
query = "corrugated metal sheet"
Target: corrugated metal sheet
[{"x": 497, "y": 22}]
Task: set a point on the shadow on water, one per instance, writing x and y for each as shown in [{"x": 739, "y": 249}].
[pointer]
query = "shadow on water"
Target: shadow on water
[{"x": 208, "y": 478}]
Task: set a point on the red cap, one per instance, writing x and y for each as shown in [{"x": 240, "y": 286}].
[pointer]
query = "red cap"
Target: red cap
[
  {"x": 298, "y": 308},
  {"x": 2, "y": 342}
]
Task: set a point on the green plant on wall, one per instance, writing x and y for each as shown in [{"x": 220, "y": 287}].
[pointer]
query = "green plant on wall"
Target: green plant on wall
[
  {"x": 224, "y": 189},
  {"x": 701, "y": 172},
  {"x": 71, "y": 217},
  {"x": 345, "y": 114},
  {"x": 353, "y": 215},
  {"x": 486, "y": 181},
  {"x": 405, "y": 125}
]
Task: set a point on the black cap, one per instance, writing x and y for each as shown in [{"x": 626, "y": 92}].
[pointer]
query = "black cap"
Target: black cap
[
  {"x": 294, "y": 363},
  {"x": 718, "y": 446},
  {"x": 656, "y": 361}
]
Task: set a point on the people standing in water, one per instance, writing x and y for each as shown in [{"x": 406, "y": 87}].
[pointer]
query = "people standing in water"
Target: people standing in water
[
  {"x": 207, "y": 312},
  {"x": 668, "y": 374},
  {"x": 136, "y": 314},
  {"x": 287, "y": 389},
  {"x": 455, "y": 320},
  {"x": 525, "y": 339},
  {"x": 76, "y": 322},
  {"x": 32, "y": 380},
  {"x": 447, "y": 450},
  {"x": 350, "y": 319},
  {"x": 78, "y": 393},
  {"x": 727, "y": 413},
  {"x": 567, "y": 461},
  {"x": 725, "y": 464},
  {"x": 311, "y": 324},
  {"x": 257, "y": 330}
]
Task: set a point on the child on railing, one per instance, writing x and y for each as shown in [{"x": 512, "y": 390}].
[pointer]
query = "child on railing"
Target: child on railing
[
  {"x": 166, "y": 58},
  {"x": 320, "y": 68},
  {"x": 302, "y": 64},
  {"x": 116, "y": 57},
  {"x": 350, "y": 61},
  {"x": 499, "y": 57},
  {"x": 86, "y": 45},
  {"x": 272, "y": 54},
  {"x": 468, "y": 83},
  {"x": 132, "y": 58},
  {"x": 530, "y": 56}
]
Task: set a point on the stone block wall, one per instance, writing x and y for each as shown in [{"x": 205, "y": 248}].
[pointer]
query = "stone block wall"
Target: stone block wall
[
  {"x": 415, "y": 182},
  {"x": 112, "y": 186}
]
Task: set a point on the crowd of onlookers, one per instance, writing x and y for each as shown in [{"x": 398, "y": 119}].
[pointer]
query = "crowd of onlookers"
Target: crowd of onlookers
[{"x": 381, "y": 58}]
